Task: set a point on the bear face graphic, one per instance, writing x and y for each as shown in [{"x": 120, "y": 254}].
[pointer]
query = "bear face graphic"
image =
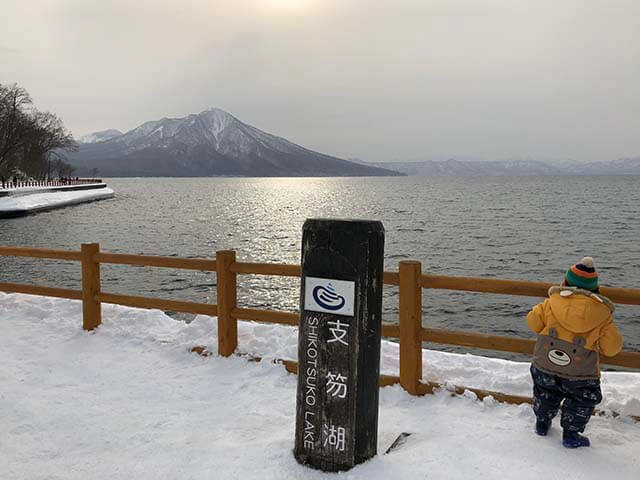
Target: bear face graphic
[{"x": 569, "y": 359}]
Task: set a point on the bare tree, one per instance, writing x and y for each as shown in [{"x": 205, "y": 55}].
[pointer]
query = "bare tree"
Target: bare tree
[
  {"x": 62, "y": 168},
  {"x": 14, "y": 123},
  {"x": 66, "y": 169},
  {"x": 47, "y": 135},
  {"x": 28, "y": 136}
]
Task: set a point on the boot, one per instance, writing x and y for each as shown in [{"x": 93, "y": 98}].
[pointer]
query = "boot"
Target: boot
[
  {"x": 542, "y": 427},
  {"x": 574, "y": 440}
]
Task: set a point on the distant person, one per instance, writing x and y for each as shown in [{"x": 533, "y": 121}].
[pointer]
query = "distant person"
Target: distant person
[{"x": 574, "y": 325}]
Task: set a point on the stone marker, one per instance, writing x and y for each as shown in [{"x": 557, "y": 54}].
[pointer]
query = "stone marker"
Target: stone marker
[{"x": 339, "y": 343}]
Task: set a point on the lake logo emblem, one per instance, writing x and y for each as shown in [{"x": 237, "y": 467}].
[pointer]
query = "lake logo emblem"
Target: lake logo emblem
[{"x": 328, "y": 295}]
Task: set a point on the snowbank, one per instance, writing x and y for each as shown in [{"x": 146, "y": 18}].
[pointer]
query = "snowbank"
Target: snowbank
[
  {"x": 130, "y": 401},
  {"x": 25, "y": 202}
]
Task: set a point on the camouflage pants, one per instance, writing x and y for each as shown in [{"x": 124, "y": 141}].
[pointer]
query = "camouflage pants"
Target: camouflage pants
[{"x": 580, "y": 398}]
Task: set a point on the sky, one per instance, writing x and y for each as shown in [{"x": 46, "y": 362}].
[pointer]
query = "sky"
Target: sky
[{"x": 376, "y": 80}]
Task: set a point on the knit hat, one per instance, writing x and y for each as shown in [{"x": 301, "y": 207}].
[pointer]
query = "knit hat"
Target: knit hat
[{"x": 583, "y": 275}]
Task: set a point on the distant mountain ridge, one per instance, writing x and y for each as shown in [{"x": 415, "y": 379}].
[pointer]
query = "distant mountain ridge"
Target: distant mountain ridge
[
  {"x": 453, "y": 167},
  {"x": 101, "y": 136},
  {"x": 621, "y": 166},
  {"x": 210, "y": 143}
]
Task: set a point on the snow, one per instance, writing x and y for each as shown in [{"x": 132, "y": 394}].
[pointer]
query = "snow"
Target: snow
[
  {"x": 131, "y": 401},
  {"x": 89, "y": 138},
  {"x": 44, "y": 200},
  {"x": 101, "y": 136},
  {"x": 159, "y": 130},
  {"x": 216, "y": 120}
]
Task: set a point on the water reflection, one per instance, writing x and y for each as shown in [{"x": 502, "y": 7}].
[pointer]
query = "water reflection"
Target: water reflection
[{"x": 529, "y": 228}]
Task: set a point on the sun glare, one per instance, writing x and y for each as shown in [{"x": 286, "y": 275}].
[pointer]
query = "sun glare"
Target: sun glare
[{"x": 286, "y": 5}]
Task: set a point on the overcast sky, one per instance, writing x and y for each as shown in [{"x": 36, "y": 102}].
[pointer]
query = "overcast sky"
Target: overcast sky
[{"x": 378, "y": 80}]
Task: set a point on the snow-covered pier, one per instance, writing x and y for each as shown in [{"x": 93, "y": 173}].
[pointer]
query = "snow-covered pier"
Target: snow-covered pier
[{"x": 31, "y": 198}]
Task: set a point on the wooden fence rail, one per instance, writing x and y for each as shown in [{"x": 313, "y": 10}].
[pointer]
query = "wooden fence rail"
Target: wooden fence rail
[{"x": 409, "y": 330}]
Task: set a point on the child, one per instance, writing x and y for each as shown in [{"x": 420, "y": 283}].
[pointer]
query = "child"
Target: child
[{"x": 574, "y": 325}]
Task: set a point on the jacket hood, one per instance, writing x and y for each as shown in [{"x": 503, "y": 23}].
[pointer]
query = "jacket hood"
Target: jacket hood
[{"x": 579, "y": 310}]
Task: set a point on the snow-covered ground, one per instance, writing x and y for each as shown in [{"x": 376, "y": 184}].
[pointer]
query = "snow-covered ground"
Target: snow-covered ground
[
  {"x": 26, "y": 202},
  {"x": 131, "y": 401}
]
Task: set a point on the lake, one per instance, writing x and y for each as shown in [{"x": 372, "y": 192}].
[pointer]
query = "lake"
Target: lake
[{"x": 527, "y": 228}]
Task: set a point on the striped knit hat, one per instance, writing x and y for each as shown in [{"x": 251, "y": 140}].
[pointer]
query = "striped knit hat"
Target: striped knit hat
[{"x": 583, "y": 275}]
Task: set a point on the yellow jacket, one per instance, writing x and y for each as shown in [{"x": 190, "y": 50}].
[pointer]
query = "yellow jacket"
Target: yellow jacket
[{"x": 579, "y": 313}]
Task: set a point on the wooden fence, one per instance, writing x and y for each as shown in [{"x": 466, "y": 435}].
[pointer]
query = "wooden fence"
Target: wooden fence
[{"x": 409, "y": 331}]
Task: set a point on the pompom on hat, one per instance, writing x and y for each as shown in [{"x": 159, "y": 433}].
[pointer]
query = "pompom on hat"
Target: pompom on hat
[{"x": 583, "y": 275}]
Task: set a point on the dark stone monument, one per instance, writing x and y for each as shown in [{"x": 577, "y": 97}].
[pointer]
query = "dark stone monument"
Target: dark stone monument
[{"x": 339, "y": 343}]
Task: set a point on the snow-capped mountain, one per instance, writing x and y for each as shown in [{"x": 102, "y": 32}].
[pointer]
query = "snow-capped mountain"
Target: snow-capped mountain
[
  {"x": 621, "y": 166},
  {"x": 453, "y": 167},
  {"x": 101, "y": 136},
  {"x": 210, "y": 143}
]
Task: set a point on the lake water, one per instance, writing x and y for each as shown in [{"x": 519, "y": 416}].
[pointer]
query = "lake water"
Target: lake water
[{"x": 527, "y": 228}]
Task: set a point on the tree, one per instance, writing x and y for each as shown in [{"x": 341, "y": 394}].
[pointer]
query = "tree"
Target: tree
[
  {"x": 62, "y": 168},
  {"x": 14, "y": 123},
  {"x": 28, "y": 136},
  {"x": 47, "y": 135},
  {"x": 66, "y": 169}
]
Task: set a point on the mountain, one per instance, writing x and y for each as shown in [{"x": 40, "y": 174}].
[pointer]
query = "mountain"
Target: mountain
[
  {"x": 210, "y": 143},
  {"x": 101, "y": 136},
  {"x": 622, "y": 166},
  {"x": 452, "y": 167}
]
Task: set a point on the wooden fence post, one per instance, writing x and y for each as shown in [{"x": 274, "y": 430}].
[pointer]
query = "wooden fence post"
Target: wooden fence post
[
  {"x": 91, "y": 308},
  {"x": 410, "y": 325},
  {"x": 227, "y": 299}
]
